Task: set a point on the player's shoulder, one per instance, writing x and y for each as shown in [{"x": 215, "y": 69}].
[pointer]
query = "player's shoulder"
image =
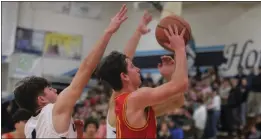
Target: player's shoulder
[
  {"x": 143, "y": 91},
  {"x": 40, "y": 117}
]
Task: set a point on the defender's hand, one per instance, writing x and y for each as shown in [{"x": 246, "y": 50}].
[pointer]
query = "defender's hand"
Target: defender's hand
[
  {"x": 145, "y": 20},
  {"x": 117, "y": 20}
]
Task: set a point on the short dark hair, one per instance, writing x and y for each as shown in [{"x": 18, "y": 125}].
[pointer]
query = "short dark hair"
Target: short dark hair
[
  {"x": 27, "y": 90},
  {"x": 89, "y": 121},
  {"x": 111, "y": 67}
]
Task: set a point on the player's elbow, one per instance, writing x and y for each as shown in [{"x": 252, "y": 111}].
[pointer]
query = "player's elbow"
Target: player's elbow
[{"x": 182, "y": 85}]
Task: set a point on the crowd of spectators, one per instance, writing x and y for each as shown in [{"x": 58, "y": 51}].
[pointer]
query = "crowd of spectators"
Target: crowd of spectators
[{"x": 214, "y": 107}]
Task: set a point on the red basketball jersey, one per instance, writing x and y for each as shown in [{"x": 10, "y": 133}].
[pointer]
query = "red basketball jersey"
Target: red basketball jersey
[{"x": 124, "y": 130}]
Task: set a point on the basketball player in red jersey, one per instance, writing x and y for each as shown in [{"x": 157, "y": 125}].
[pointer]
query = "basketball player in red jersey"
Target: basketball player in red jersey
[{"x": 136, "y": 107}]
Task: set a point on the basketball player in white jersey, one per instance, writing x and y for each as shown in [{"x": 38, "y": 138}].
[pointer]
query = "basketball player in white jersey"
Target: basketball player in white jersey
[
  {"x": 165, "y": 68},
  {"x": 51, "y": 113}
]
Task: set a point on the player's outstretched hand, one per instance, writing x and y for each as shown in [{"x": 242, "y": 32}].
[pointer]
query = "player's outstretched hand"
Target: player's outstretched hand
[
  {"x": 145, "y": 20},
  {"x": 117, "y": 20}
]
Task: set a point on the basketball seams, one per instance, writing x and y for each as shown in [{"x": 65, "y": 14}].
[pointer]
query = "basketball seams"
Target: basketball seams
[
  {"x": 180, "y": 22},
  {"x": 184, "y": 23},
  {"x": 170, "y": 20},
  {"x": 162, "y": 39}
]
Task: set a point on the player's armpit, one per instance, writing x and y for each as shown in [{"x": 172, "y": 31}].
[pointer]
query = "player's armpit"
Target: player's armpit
[
  {"x": 174, "y": 102},
  {"x": 146, "y": 96}
]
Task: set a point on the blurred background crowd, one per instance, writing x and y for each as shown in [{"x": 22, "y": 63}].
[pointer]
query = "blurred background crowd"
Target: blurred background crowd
[{"x": 214, "y": 107}]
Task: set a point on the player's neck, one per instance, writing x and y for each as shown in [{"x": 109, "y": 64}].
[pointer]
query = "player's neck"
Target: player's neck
[
  {"x": 40, "y": 108},
  {"x": 127, "y": 89},
  {"x": 18, "y": 134}
]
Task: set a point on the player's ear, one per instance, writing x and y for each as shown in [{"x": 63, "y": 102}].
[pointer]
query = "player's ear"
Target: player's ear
[
  {"x": 41, "y": 100},
  {"x": 124, "y": 77}
]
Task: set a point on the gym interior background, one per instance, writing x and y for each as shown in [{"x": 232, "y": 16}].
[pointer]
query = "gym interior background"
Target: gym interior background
[{"x": 50, "y": 39}]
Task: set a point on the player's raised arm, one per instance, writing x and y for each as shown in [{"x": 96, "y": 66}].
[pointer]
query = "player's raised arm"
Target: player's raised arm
[
  {"x": 142, "y": 29},
  {"x": 179, "y": 80},
  {"x": 175, "y": 101},
  {"x": 65, "y": 103}
]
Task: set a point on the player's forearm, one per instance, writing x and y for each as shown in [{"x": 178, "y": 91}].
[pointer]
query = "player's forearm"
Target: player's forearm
[
  {"x": 132, "y": 44},
  {"x": 174, "y": 102},
  {"x": 89, "y": 64},
  {"x": 181, "y": 71}
]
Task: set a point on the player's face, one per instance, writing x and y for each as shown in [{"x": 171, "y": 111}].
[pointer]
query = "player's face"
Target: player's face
[
  {"x": 234, "y": 82},
  {"x": 50, "y": 94},
  {"x": 133, "y": 74},
  {"x": 244, "y": 82}
]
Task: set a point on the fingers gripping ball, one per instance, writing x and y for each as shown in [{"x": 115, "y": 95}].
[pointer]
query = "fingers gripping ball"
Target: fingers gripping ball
[{"x": 172, "y": 20}]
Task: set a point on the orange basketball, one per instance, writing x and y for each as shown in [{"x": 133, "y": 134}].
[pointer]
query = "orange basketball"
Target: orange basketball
[{"x": 171, "y": 20}]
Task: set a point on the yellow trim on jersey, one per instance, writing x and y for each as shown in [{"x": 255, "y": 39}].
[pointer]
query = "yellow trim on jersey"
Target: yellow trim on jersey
[
  {"x": 119, "y": 95},
  {"x": 126, "y": 121},
  {"x": 118, "y": 129}
]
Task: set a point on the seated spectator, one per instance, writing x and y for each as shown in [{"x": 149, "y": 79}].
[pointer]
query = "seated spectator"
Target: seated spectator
[
  {"x": 90, "y": 128},
  {"x": 164, "y": 132},
  {"x": 254, "y": 133},
  {"x": 200, "y": 117}
]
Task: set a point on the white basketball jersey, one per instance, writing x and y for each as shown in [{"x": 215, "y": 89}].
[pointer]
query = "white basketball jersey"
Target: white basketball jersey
[
  {"x": 41, "y": 126},
  {"x": 110, "y": 131}
]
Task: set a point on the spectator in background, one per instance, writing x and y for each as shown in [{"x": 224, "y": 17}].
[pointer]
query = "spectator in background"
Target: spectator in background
[
  {"x": 254, "y": 103},
  {"x": 164, "y": 132},
  {"x": 224, "y": 90},
  {"x": 216, "y": 107},
  {"x": 240, "y": 75},
  {"x": 90, "y": 128},
  {"x": 234, "y": 101},
  {"x": 149, "y": 78},
  {"x": 254, "y": 133},
  {"x": 20, "y": 117},
  {"x": 200, "y": 117},
  {"x": 80, "y": 112},
  {"x": 244, "y": 92},
  {"x": 250, "y": 77}
]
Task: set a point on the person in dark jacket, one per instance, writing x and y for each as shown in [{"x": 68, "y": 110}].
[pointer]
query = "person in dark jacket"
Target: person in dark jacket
[
  {"x": 233, "y": 109},
  {"x": 244, "y": 89}
]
